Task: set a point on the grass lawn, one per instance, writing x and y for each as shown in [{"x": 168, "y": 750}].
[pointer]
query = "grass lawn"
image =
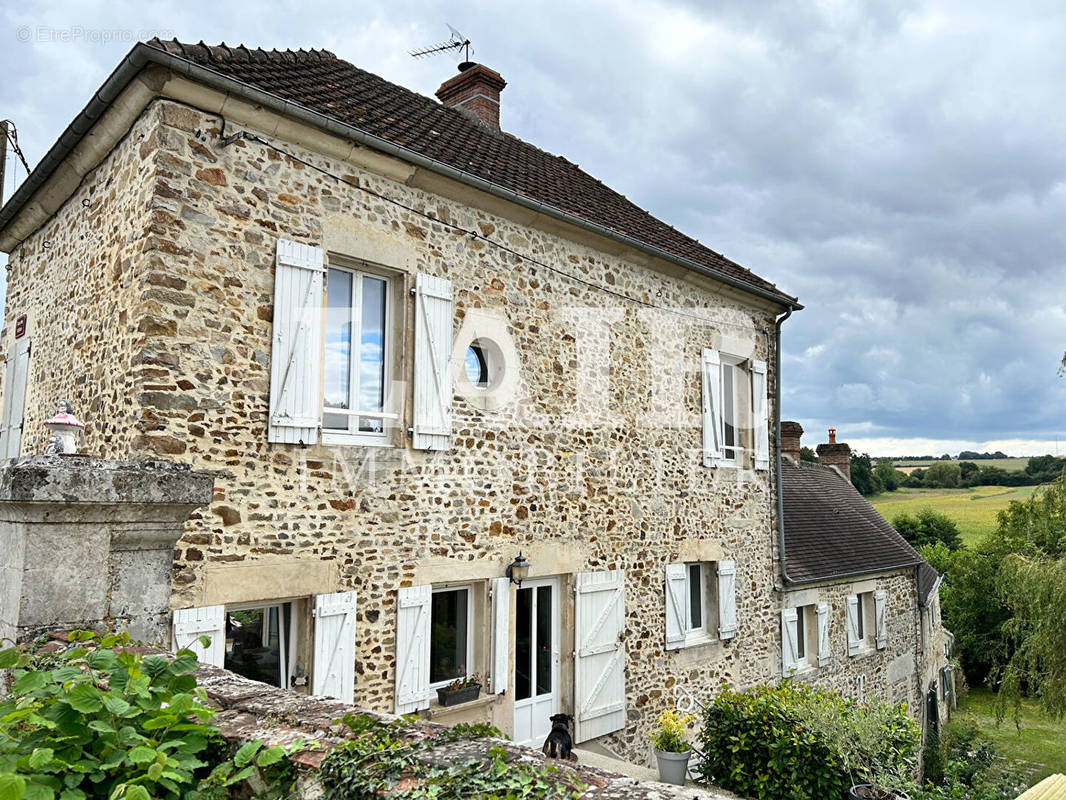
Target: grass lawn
[
  {"x": 973, "y": 510},
  {"x": 1041, "y": 741}
]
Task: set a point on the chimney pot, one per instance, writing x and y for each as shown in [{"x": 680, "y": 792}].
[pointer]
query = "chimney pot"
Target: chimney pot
[
  {"x": 475, "y": 91},
  {"x": 835, "y": 454}
]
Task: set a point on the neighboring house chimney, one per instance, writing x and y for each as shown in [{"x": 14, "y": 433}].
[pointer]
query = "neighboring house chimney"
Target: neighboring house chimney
[
  {"x": 476, "y": 92},
  {"x": 835, "y": 454},
  {"x": 791, "y": 433}
]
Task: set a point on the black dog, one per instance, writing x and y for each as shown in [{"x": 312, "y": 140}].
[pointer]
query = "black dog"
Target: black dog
[{"x": 559, "y": 744}]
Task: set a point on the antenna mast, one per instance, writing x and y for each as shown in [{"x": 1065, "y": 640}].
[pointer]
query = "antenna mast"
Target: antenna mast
[{"x": 456, "y": 42}]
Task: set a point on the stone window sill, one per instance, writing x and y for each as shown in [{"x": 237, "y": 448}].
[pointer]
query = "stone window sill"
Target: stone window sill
[{"x": 436, "y": 710}]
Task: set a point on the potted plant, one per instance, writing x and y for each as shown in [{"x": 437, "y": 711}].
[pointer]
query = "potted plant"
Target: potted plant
[
  {"x": 462, "y": 690},
  {"x": 672, "y": 750}
]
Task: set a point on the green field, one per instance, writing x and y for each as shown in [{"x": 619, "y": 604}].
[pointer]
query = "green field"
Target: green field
[
  {"x": 1040, "y": 742},
  {"x": 1009, "y": 464},
  {"x": 973, "y": 510}
]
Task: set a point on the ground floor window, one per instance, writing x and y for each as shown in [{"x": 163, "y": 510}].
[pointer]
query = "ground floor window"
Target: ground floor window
[
  {"x": 450, "y": 641},
  {"x": 258, "y": 642}
]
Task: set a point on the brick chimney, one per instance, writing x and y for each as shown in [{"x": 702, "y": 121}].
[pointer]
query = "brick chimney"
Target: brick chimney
[
  {"x": 476, "y": 92},
  {"x": 835, "y": 454},
  {"x": 791, "y": 433}
]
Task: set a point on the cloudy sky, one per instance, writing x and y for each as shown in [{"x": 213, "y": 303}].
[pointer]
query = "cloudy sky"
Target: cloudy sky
[{"x": 901, "y": 167}]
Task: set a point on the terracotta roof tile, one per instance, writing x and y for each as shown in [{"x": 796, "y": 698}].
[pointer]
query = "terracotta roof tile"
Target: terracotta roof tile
[{"x": 319, "y": 81}]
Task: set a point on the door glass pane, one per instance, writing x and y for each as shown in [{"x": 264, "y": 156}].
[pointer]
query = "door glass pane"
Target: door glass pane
[
  {"x": 372, "y": 353},
  {"x": 523, "y": 661},
  {"x": 338, "y": 361},
  {"x": 253, "y": 644},
  {"x": 544, "y": 640},
  {"x": 728, "y": 409},
  {"x": 695, "y": 597},
  {"x": 448, "y": 636}
]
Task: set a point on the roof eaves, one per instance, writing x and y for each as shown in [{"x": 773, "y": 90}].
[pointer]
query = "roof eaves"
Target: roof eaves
[{"x": 142, "y": 54}]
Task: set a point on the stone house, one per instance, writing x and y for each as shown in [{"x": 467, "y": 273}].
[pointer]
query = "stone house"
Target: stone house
[
  {"x": 861, "y": 609},
  {"x": 469, "y": 410}
]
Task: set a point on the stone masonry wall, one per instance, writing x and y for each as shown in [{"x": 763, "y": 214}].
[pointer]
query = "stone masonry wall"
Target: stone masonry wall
[
  {"x": 172, "y": 357},
  {"x": 891, "y": 673}
]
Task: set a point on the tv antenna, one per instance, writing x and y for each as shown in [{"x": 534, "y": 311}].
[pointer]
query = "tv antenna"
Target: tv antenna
[{"x": 456, "y": 42}]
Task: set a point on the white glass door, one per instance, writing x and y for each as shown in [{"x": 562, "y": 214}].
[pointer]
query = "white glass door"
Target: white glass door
[{"x": 536, "y": 678}]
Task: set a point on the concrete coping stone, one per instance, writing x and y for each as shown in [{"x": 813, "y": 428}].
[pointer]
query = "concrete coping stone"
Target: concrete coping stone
[{"x": 75, "y": 479}]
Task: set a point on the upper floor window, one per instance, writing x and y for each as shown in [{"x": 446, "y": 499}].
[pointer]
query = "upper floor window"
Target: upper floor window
[
  {"x": 358, "y": 353},
  {"x": 735, "y": 411}
]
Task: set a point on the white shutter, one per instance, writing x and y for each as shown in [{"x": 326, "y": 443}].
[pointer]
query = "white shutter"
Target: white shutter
[
  {"x": 727, "y": 599},
  {"x": 712, "y": 407},
  {"x": 761, "y": 430},
  {"x": 412, "y": 648},
  {"x": 789, "y": 634},
  {"x": 599, "y": 658},
  {"x": 433, "y": 349},
  {"x": 880, "y": 628},
  {"x": 501, "y": 634},
  {"x": 192, "y": 623},
  {"x": 333, "y": 668},
  {"x": 676, "y": 590},
  {"x": 822, "y": 612},
  {"x": 18, "y": 366},
  {"x": 296, "y": 354},
  {"x": 854, "y": 642}
]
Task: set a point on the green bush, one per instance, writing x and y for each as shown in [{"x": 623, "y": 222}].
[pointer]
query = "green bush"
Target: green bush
[
  {"x": 99, "y": 721},
  {"x": 969, "y": 768},
  {"x": 796, "y": 742}
]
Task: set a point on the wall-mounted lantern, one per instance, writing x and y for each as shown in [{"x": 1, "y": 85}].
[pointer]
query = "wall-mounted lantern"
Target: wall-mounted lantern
[{"x": 518, "y": 570}]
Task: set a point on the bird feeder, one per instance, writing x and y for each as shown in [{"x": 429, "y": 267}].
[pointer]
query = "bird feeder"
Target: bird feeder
[{"x": 64, "y": 428}]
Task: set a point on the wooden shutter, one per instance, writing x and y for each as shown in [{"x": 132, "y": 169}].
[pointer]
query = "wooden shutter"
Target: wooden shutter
[
  {"x": 880, "y": 628},
  {"x": 192, "y": 623},
  {"x": 789, "y": 633},
  {"x": 727, "y": 599},
  {"x": 822, "y": 612},
  {"x": 501, "y": 634},
  {"x": 333, "y": 668},
  {"x": 599, "y": 658},
  {"x": 433, "y": 351},
  {"x": 296, "y": 354},
  {"x": 15, "y": 376},
  {"x": 676, "y": 591},
  {"x": 760, "y": 423},
  {"x": 854, "y": 642},
  {"x": 412, "y": 648},
  {"x": 712, "y": 407}
]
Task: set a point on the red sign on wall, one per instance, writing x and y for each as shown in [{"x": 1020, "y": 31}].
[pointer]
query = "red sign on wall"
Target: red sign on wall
[{"x": 20, "y": 327}]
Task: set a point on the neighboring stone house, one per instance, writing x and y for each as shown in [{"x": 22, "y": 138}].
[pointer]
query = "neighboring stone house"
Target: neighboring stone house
[
  {"x": 861, "y": 609},
  {"x": 424, "y": 358}
]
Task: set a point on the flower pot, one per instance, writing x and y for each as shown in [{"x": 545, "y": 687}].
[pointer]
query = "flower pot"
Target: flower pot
[
  {"x": 867, "y": 791},
  {"x": 673, "y": 766},
  {"x": 453, "y": 697}
]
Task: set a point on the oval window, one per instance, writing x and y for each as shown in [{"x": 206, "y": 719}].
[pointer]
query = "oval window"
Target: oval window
[{"x": 477, "y": 366}]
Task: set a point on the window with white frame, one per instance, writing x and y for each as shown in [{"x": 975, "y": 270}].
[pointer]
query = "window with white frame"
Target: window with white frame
[
  {"x": 735, "y": 411},
  {"x": 259, "y": 642},
  {"x": 700, "y": 603},
  {"x": 450, "y": 640},
  {"x": 866, "y": 623},
  {"x": 358, "y": 355}
]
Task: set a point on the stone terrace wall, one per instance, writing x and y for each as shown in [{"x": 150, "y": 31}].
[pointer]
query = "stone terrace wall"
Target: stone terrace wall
[
  {"x": 251, "y": 711},
  {"x": 182, "y": 367}
]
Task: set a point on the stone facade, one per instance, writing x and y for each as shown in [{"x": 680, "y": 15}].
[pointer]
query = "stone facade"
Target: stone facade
[{"x": 150, "y": 294}]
